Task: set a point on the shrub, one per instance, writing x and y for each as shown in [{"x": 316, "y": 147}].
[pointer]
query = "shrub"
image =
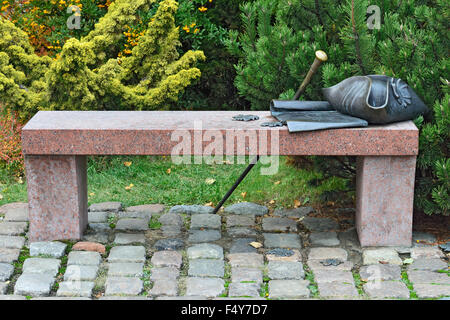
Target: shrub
[{"x": 10, "y": 148}]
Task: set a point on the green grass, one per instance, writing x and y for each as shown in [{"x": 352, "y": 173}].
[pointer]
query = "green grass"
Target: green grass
[{"x": 108, "y": 178}]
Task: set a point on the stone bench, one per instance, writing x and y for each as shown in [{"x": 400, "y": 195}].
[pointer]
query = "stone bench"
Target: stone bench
[{"x": 56, "y": 143}]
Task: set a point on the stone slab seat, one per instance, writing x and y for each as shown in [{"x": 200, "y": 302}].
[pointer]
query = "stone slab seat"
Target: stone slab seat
[{"x": 56, "y": 143}]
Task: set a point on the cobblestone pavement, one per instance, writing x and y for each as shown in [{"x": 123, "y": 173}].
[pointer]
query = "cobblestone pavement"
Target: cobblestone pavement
[{"x": 185, "y": 252}]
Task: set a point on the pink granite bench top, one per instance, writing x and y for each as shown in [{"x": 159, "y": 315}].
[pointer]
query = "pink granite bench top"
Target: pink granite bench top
[{"x": 149, "y": 133}]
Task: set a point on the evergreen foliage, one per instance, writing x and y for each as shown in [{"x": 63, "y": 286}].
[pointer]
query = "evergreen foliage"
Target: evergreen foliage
[
  {"x": 277, "y": 48},
  {"x": 89, "y": 75}
]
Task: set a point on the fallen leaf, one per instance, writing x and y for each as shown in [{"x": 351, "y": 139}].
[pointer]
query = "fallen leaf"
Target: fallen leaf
[
  {"x": 244, "y": 194},
  {"x": 297, "y": 203},
  {"x": 92, "y": 194},
  {"x": 127, "y": 163},
  {"x": 169, "y": 171},
  {"x": 383, "y": 262},
  {"x": 209, "y": 204},
  {"x": 20, "y": 180},
  {"x": 271, "y": 201},
  {"x": 277, "y": 182},
  {"x": 210, "y": 181},
  {"x": 1, "y": 196},
  {"x": 129, "y": 187},
  {"x": 256, "y": 244}
]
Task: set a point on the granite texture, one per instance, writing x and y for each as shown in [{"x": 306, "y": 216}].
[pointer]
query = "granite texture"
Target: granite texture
[
  {"x": 384, "y": 200},
  {"x": 150, "y": 133},
  {"x": 57, "y": 195}
]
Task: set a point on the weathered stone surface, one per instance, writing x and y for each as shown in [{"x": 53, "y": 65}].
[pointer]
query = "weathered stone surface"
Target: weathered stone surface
[
  {"x": 98, "y": 217},
  {"x": 167, "y": 258},
  {"x": 6, "y": 271},
  {"x": 206, "y": 268},
  {"x": 320, "y": 224},
  {"x": 19, "y": 214},
  {"x": 275, "y": 240},
  {"x": 147, "y": 208},
  {"x": 241, "y": 245},
  {"x": 164, "y": 273},
  {"x": 123, "y": 286},
  {"x": 205, "y": 251},
  {"x": 129, "y": 238},
  {"x": 122, "y": 298},
  {"x": 197, "y": 236},
  {"x": 431, "y": 290},
  {"x": 380, "y": 272},
  {"x": 284, "y": 270},
  {"x": 386, "y": 289},
  {"x": 247, "y": 208},
  {"x": 337, "y": 290},
  {"x": 3, "y": 286},
  {"x": 170, "y": 231},
  {"x": 428, "y": 277},
  {"x": 237, "y": 289},
  {"x": 191, "y": 209},
  {"x": 240, "y": 221},
  {"x": 252, "y": 260},
  {"x": 75, "y": 289},
  {"x": 386, "y": 255},
  {"x": 11, "y": 297},
  {"x": 293, "y": 213},
  {"x": 12, "y": 228},
  {"x": 323, "y": 276},
  {"x": 45, "y": 266},
  {"x": 279, "y": 224},
  {"x": 164, "y": 288},
  {"x": 316, "y": 265},
  {"x": 419, "y": 238},
  {"x": 134, "y": 215},
  {"x": 241, "y": 232},
  {"x": 288, "y": 289},
  {"x": 171, "y": 219},
  {"x": 433, "y": 264},
  {"x": 51, "y": 248},
  {"x": 324, "y": 239},
  {"x": 426, "y": 252},
  {"x": 32, "y": 284},
  {"x": 327, "y": 253},
  {"x": 205, "y": 287},
  {"x": 101, "y": 237},
  {"x": 169, "y": 244},
  {"x": 12, "y": 242},
  {"x": 80, "y": 273},
  {"x": 9, "y": 255},
  {"x": 239, "y": 274},
  {"x": 106, "y": 206},
  {"x": 13, "y": 205},
  {"x": 84, "y": 258},
  {"x": 99, "y": 227},
  {"x": 123, "y": 269},
  {"x": 274, "y": 255},
  {"x": 127, "y": 254},
  {"x": 132, "y": 224},
  {"x": 89, "y": 246},
  {"x": 207, "y": 221}
]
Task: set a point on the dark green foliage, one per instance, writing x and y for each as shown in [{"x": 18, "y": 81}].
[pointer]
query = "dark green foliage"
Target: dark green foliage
[{"x": 277, "y": 45}]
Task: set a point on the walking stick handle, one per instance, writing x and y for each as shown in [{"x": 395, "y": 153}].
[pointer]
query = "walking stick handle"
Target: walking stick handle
[{"x": 321, "y": 56}]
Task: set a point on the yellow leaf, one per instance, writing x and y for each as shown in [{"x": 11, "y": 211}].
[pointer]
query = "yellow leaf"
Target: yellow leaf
[
  {"x": 20, "y": 180},
  {"x": 244, "y": 194},
  {"x": 127, "y": 163},
  {"x": 129, "y": 187},
  {"x": 297, "y": 203},
  {"x": 92, "y": 194},
  {"x": 209, "y": 204},
  {"x": 169, "y": 171},
  {"x": 256, "y": 244},
  {"x": 210, "y": 181},
  {"x": 1, "y": 196},
  {"x": 277, "y": 182},
  {"x": 271, "y": 201}
]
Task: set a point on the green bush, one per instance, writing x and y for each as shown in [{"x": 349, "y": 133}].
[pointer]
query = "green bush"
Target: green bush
[
  {"x": 90, "y": 74},
  {"x": 277, "y": 47}
]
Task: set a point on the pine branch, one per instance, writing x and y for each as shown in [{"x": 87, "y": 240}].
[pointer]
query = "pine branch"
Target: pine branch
[{"x": 356, "y": 37}]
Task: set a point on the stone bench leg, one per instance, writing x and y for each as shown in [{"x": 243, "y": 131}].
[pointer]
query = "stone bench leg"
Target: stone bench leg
[
  {"x": 57, "y": 197},
  {"x": 384, "y": 200}
]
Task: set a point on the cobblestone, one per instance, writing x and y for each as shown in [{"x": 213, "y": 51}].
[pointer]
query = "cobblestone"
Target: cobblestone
[
  {"x": 164, "y": 273},
  {"x": 283, "y": 270},
  {"x": 35, "y": 285},
  {"x": 169, "y": 244},
  {"x": 164, "y": 288},
  {"x": 191, "y": 209},
  {"x": 324, "y": 239},
  {"x": 240, "y": 221},
  {"x": 206, "y": 268},
  {"x": 275, "y": 240},
  {"x": 6, "y": 271},
  {"x": 279, "y": 225},
  {"x": 385, "y": 255},
  {"x": 80, "y": 273},
  {"x": 9, "y": 255},
  {"x": 206, "y": 287},
  {"x": 127, "y": 254},
  {"x": 205, "y": 251},
  {"x": 125, "y": 269},
  {"x": 386, "y": 289},
  {"x": 197, "y": 236},
  {"x": 129, "y": 238},
  {"x": 75, "y": 289},
  {"x": 84, "y": 258},
  {"x": 53, "y": 249},
  {"x": 433, "y": 264},
  {"x": 324, "y": 253},
  {"x": 12, "y": 242},
  {"x": 167, "y": 259},
  {"x": 239, "y": 274},
  {"x": 132, "y": 224},
  {"x": 207, "y": 221},
  {"x": 12, "y": 228},
  {"x": 288, "y": 289},
  {"x": 253, "y": 260},
  {"x": 123, "y": 286},
  {"x": 380, "y": 272},
  {"x": 244, "y": 289},
  {"x": 47, "y": 266},
  {"x": 247, "y": 208},
  {"x": 106, "y": 206}
]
